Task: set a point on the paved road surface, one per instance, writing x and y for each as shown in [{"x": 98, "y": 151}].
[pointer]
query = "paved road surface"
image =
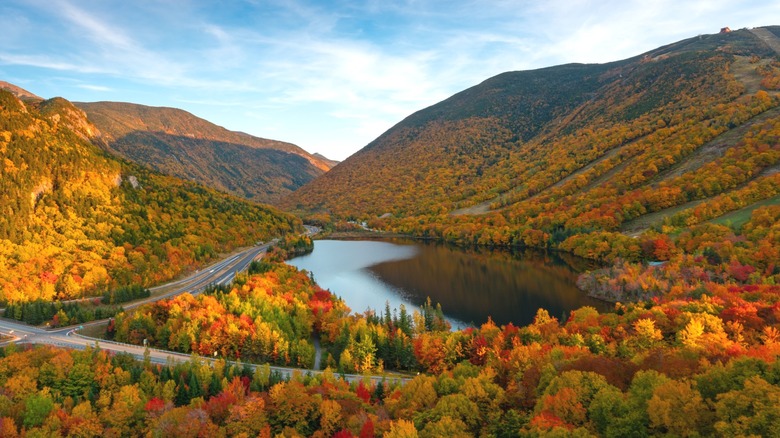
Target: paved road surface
[{"x": 221, "y": 272}]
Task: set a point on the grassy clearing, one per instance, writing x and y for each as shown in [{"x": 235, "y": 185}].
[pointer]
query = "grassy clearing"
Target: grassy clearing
[
  {"x": 639, "y": 225},
  {"x": 95, "y": 331},
  {"x": 737, "y": 218}
]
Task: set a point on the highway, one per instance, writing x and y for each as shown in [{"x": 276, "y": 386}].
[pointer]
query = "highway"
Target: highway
[{"x": 221, "y": 272}]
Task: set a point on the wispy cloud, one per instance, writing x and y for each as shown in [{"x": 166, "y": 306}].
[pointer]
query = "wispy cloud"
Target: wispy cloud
[
  {"x": 99, "y": 31},
  {"x": 94, "y": 87},
  {"x": 346, "y": 70},
  {"x": 46, "y": 62}
]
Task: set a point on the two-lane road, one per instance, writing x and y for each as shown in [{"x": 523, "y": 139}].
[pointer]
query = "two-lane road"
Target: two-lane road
[{"x": 221, "y": 272}]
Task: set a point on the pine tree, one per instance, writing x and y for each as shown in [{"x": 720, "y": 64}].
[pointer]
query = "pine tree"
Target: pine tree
[
  {"x": 182, "y": 393},
  {"x": 195, "y": 388},
  {"x": 215, "y": 385},
  {"x": 379, "y": 391}
]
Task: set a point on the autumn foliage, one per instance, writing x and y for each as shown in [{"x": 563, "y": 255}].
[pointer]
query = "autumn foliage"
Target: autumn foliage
[{"x": 77, "y": 222}]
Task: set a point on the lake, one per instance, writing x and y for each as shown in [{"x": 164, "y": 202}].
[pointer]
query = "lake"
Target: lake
[{"x": 470, "y": 285}]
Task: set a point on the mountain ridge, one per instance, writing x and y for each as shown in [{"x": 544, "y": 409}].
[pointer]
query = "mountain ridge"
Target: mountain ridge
[
  {"x": 179, "y": 143},
  {"x": 77, "y": 221},
  {"x": 548, "y": 149},
  {"x": 19, "y": 92}
]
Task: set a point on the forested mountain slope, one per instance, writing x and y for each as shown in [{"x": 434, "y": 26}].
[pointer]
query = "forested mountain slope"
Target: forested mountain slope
[
  {"x": 76, "y": 221},
  {"x": 530, "y": 155},
  {"x": 178, "y": 143}
]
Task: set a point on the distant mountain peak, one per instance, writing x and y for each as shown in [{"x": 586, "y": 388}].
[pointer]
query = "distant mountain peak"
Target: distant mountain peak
[
  {"x": 332, "y": 163},
  {"x": 19, "y": 92},
  {"x": 179, "y": 143}
]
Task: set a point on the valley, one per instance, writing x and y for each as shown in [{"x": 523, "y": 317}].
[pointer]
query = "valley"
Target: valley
[{"x": 588, "y": 250}]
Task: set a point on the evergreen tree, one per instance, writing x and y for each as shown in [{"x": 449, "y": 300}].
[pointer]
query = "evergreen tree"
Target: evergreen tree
[
  {"x": 182, "y": 393},
  {"x": 195, "y": 388},
  {"x": 404, "y": 321},
  {"x": 379, "y": 391},
  {"x": 215, "y": 385}
]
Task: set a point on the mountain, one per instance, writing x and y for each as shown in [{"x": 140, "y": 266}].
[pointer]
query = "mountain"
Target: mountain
[
  {"x": 75, "y": 220},
  {"x": 178, "y": 143},
  {"x": 331, "y": 163},
  {"x": 674, "y": 136},
  {"x": 19, "y": 92}
]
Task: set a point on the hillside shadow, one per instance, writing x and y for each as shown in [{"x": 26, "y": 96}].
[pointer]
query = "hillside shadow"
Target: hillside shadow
[{"x": 263, "y": 175}]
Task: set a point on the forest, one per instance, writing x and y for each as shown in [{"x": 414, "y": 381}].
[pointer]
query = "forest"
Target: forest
[
  {"x": 699, "y": 362},
  {"x": 663, "y": 168},
  {"x": 77, "y": 222}
]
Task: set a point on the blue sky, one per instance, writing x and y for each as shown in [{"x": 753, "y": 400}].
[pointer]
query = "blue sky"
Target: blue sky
[{"x": 329, "y": 76}]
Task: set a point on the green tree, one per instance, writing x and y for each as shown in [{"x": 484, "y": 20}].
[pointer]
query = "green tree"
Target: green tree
[
  {"x": 182, "y": 392},
  {"x": 36, "y": 408},
  {"x": 195, "y": 388},
  {"x": 80, "y": 381},
  {"x": 606, "y": 409},
  {"x": 752, "y": 411}
]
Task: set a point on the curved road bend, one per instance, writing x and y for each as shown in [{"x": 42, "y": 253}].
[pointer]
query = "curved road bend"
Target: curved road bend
[{"x": 221, "y": 272}]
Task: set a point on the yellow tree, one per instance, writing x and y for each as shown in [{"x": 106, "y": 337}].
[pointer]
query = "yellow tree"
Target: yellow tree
[
  {"x": 401, "y": 429},
  {"x": 647, "y": 335},
  {"x": 677, "y": 408}
]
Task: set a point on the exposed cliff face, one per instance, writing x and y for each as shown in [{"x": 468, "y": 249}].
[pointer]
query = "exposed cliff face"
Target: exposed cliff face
[{"x": 59, "y": 110}]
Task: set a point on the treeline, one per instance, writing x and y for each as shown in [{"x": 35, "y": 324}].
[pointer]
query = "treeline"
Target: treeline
[
  {"x": 126, "y": 293},
  {"x": 60, "y": 314},
  {"x": 373, "y": 343},
  {"x": 57, "y": 313}
]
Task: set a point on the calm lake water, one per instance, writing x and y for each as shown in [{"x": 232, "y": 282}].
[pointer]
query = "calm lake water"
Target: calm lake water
[{"x": 471, "y": 285}]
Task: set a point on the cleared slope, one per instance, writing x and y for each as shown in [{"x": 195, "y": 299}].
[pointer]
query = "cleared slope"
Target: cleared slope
[{"x": 569, "y": 147}]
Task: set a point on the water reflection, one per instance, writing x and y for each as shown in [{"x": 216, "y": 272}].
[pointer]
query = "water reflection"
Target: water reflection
[
  {"x": 471, "y": 285},
  {"x": 342, "y": 267}
]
